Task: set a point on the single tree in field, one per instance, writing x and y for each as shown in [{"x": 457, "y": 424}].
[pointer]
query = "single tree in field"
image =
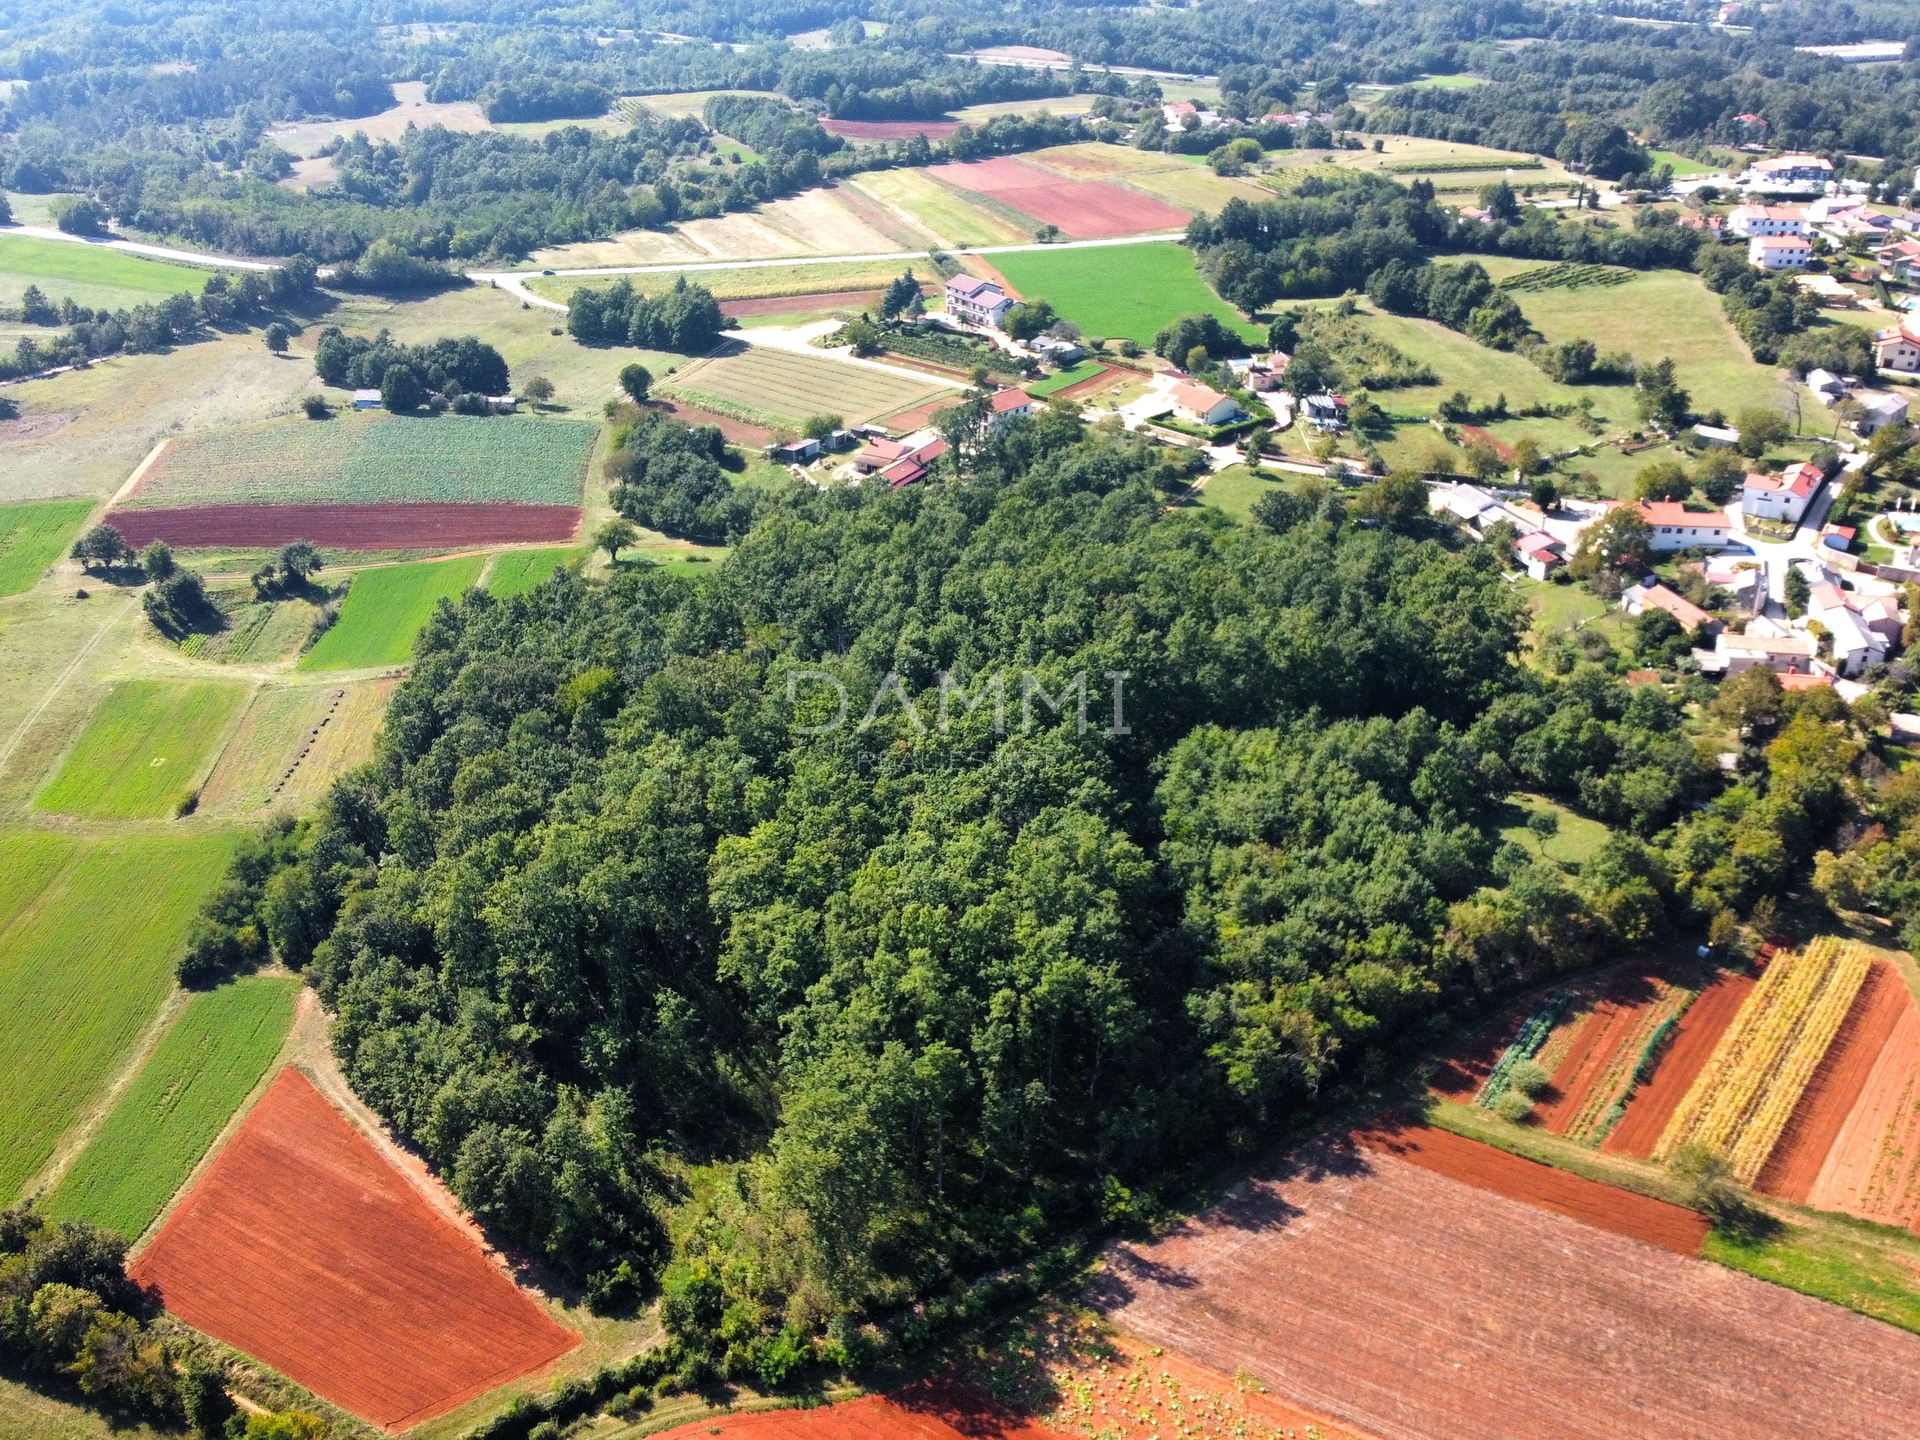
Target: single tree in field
[
  {"x": 157, "y": 560},
  {"x": 615, "y": 536},
  {"x": 1760, "y": 429},
  {"x": 636, "y": 380},
  {"x": 400, "y": 390},
  {"x": 900, "y": 295},
  {"x": 277, "y": 337},
  {"x": 299, "y": 560},
  {"x": 539, "y": 389},
  {"x": 101, "y": 548}
]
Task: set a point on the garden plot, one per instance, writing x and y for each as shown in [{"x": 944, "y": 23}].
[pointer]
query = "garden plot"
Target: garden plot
[{"x": 781, "y": 386}]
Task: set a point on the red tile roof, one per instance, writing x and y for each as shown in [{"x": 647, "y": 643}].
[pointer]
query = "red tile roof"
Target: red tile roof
[
  {"x": 1672, "y": 512},
  {"x": 1008, "y": 400}
]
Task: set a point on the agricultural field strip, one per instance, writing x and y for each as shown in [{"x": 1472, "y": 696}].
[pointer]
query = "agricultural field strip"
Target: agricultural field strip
[
  {"x": 372, "y": 461},
  {"x": 148, "y": 745},
  {"x": 1743, "y": 1099},
  {"x": 1612, "y": 1072},
  {"x": 33, "y": 536},
  {"x": 779, "y": 382}
]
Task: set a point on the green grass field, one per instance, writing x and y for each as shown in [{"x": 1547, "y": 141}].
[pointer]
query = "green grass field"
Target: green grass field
[
  {"x": 1235, "y": 488},
  {"x": 517, "y": 571},
  {"x": 1450, "y": 82},
  {"x": 1128, "y": 291},
  {"x": 93, "y": 275},
  {"x": 33, "y": 536},
  {"x": 372, "y": 458},
  {"x": 182, "y": 1098},
  {"x": 384, "y": 611},
  {"x": 1682, "y": 166},
  {"x": 143, "y": 751},
  {"x": 1066, "y": 379},
  {"x": 89, "y": 932},
  {"x": 1576, "y": 841}
]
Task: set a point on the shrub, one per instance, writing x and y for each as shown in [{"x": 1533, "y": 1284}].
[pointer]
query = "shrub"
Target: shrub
[
  {"x": 1513, "y": 1106},
  {"x": 316, "y": 407},
  {"x": 1529, "y": 1078}
]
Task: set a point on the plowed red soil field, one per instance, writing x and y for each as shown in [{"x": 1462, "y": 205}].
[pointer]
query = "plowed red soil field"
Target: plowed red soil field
[
  {"x": 1797, "y": 1159},
  {"x": 889, "y": 129},
  {"x": 1419, "y": 1308},
  {"x": 303, "y": 1247},
  {"x": 737, "y": 431},
  {"x": 1693, "y": 1040},
  {"x": 928, "y": 1411},
  {"x": 1873, "y": 1167},
  {"x": 1594, "y": 1047},
  {"x": 431, "y": 526},
  {"x": 1085, "y": 209},
  {"x": 1671, "y": 1227}
]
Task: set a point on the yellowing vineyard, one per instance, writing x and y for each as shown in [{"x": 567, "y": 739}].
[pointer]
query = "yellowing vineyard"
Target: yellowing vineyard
[{"x": 1746, "y": 1094}]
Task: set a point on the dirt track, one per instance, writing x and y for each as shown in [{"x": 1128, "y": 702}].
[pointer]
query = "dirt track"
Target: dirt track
[
  {"x": 1415, "y": 1307},
  {"x": 302, "y": 1247},
  {"x": 1698, "y": 1032}
]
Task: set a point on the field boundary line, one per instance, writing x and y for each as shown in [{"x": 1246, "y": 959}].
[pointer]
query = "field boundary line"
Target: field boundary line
[
  {"x": 33, "y": 716},
  {"x": 140, "y": 471},
  {"x": 227, "y": 737},
  {"x": 282, "y": 1058},
  {"x": 67, "y": 1149}
]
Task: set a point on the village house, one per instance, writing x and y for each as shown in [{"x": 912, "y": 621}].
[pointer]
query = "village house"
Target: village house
[
  {"x": 1899, "y": 261},
  {"x": 1742, "y": 577},
  {"x": 1261, "y": 373},
  {"x": 1828, "y": 388},
  {"x": 1540, "y": 553},
  {"x": 1325, "y": 412},
  {"x": 1781, "y": 497},
  {"x": 1779, "y": 252},
  {"x": 913, "y": 464},
  {"x": 1878, "y": 409},
  {"x": 977, "y": 302},
  {"x": 1059, "y": 352},
  {"x": 1178, "y": 112},
  {"x": 1752, "y": 220},
  {"x": 1637, "y": 599},
  {"x": 1784, "y": 655},
  {"x": 1203, "y": 405},
  {"x": 1675, "y": 527},
  {"x": 1788, "y": 175},
  {"x": 1007, "y": 404},
  {"x": 1897, "y": 347},
  {"x": 1860, "y": 629}
]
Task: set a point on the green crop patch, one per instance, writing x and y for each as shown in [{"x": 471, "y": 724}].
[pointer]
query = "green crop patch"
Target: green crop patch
[
  {"x": 144, "y": 751},
  {"x": 1066, "y": 379},
  {"x": 93, "y": 275},
  {"x": 89, "y": 933},
  {"x": 1120, "y": 291},
  {"x": 198, "y": 1075},
  {"x": 517, "y": 571},
  {"x": 384, "y": 611},
  {"x": 372, "y": 459},
  {"x": 33, "y": 536}
]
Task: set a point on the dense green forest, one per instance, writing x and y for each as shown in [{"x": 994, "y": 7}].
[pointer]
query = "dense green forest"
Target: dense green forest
[{"x": 956, "y": 866}]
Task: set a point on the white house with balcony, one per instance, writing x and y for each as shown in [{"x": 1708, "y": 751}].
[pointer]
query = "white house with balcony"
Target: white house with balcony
[
  {"x": 1781, "y": 497},
  {"x": 978, "y": 302}
]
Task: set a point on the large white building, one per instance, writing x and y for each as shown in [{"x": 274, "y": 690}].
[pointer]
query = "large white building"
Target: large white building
[
  {"x": 977, "y": 302},
  {"x": 1898, "y": 347},
  {"x": 1788, "y": 175},
  {"x": 1779, "y": 252},
  {"x": 1781, "y": 497},
  {"x": 1751, "y": 220},
  {"x": 1677, "y": 528}
]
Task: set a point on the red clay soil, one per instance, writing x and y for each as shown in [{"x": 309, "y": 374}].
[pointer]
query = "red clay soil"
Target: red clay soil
[
  {"x": 1638, "y": 1217},
  {"x": 1873, "y": 1169},
  {"x": 889, "y": 129},
  {"x": 1499, "y": 447},
  {"x": 303, "y": 1247},
  {"x": 931, "y": 1410},
  {"x": 351, "y": 527},
  {"x": 1611, "y": 1025},
  {"x": 1835, "y": 1087},
  {"x": 1084, "y": 387},
  {"x": 1084, "y": 209},
  {"x": 737, "y": 432},
  {"x": 1693, "y": 1040},
  {"x": 919, "y": 417},
  {"x": 1395, "y": 1299}
]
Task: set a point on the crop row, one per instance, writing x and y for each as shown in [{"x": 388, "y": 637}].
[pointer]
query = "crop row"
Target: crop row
[
  {"x": 1565, "y": 275},
  {"x": 1525, "y": 1045},
  {"x": 1743, "y": 1099},
  {"x": 1610, "y": 1089}
]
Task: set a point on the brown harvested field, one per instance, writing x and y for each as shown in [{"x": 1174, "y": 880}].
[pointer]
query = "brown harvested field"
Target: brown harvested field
[
  {"x": 739, "y": 432},
  {"x": 1485, "y": 1168},
  {"x": 1694, "y": 1037},
  {"x": 1084, "y": 209},
  {"x": 905, "y": 422},
  {"x": 423, "y": 526},
  {"x": 301, "y": 1246},
  {"x": 344, "y": 742},
  {"x": 1872, "y": 1170},
  {"x": 1419, "y": 1308},
  {"x": 889, "y": 129},
  {"x": 795, "y": 304},
  {"x": 1836, "y": 1086},
  {"x": 931, "y": 1410}
]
